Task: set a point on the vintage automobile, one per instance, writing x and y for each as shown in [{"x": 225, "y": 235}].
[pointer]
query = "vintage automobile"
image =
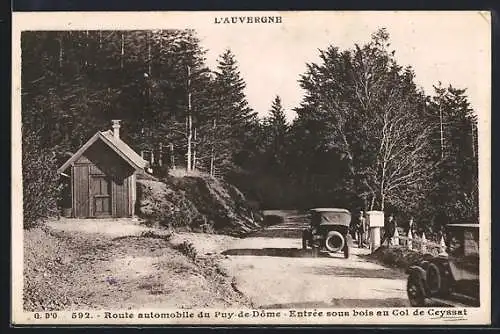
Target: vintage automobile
[
  {"x": 328, "y": 230},
  {"x": 450, "y": 279}
]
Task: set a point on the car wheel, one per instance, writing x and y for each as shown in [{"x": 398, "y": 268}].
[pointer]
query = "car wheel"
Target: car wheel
[
  {"x": 433, "y": 278},
  {"x": 334, "y": 241},
  {"x": 415, "y": 291}
]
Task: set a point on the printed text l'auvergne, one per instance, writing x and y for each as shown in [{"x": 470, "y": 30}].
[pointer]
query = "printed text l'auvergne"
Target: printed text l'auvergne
[{"x": 247, "y": 19}]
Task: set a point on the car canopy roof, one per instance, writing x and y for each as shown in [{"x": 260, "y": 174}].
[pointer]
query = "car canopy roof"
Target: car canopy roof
[{"x": 331, "y": 216}]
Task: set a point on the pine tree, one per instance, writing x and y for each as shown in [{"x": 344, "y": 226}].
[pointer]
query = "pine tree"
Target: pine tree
[
  {"x": 180, "y": 87},
  {"x": 455, "y": 195},
  {"x": 235, "y": 112},
  {"x": 276, "y": 129},
  {"x": 87, "y": 78}
]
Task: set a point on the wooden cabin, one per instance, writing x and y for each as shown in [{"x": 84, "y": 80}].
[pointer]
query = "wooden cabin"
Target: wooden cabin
[{"x": 103, "y": 176}]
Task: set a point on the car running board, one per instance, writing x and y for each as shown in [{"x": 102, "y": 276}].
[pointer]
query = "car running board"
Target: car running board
[{"x": 454, "y": 302}]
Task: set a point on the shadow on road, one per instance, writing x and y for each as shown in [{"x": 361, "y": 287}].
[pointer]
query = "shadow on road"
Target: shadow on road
[
  {"x": 385, "y": 273},
  {"x": 278, "y": 232},
  {"x": 341, "y": 303},
  {"x": 278, "y": 252}
]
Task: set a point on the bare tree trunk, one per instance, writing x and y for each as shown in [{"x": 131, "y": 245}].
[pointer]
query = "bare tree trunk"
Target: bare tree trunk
[
  {"x": 160, "y": 155},
  {"x": 212, "y": 162},
  {"x": 149, "y": 68},
  {"x": 194, "y": 150},
  {"x": 86, "y": 48},
  {"x": 189, "y": 140},
  {"x": 382, "y": 186},
  {"x": 172, "y": 157},
  {"x": 149, "y": 53},
  {"x": 189, "y": 122},
  {"x": 473, "y": 140},
  {"x": 122, "y": 50},
  {"x": 61, "y": 53},
  {"x": 441, "y": 129},
  {"x": 212, "y": 153}
]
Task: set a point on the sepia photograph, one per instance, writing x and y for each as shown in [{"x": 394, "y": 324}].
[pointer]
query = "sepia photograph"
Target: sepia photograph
[{"x": 227, "y": 168}]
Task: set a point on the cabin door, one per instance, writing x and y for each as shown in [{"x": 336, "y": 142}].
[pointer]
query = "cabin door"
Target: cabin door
[{"x": 100, "y": 195}]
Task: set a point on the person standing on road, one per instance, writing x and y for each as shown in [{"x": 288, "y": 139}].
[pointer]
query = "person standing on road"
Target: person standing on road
[
  {"x": 353, "y": 228},
  {"x": 389, "y": 230},
  {"x": 361, "y": 229}
]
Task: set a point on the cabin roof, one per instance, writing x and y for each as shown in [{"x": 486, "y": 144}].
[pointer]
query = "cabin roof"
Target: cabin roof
[{"x": 116, "y": 144}]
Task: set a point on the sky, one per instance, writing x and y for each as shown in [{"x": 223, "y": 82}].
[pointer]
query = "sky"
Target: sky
[{"x": 450, "y": 47}]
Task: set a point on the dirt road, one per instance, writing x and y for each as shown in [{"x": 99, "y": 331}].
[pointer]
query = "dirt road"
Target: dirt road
[
  {"x": 74, "y": 264},
  {"x": 269, "y": 267},
  {"x": 274, "y": 272}
]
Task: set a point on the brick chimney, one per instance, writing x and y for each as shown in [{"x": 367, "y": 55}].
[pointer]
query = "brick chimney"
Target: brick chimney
[{"x": 116, "y": 128}]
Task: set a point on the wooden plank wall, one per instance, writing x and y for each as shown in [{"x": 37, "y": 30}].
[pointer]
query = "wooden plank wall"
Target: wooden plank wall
[
  {"x": 81, "y": 203},
  {"x": 100, "y": 159},
  {"x": 121, "y": 197}
]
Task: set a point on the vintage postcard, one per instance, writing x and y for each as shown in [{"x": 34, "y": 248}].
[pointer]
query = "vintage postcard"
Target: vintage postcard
[{"x": 251, "y": 168}]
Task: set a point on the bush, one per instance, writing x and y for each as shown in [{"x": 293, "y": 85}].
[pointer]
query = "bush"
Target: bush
[
  {"x": 195, "y": 203},
  {"x": 222, "y": 205},
  {"x": 154, "y": 235},
  {"x": 41, "y": 184},
  {"x": 187, "y": 249},
  {"x": 398, "y": 257},
  {"x": 161, "y": 205}
]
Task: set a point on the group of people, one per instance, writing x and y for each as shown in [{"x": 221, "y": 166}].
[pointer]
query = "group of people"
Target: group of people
[{"x": 361, "y": 230}]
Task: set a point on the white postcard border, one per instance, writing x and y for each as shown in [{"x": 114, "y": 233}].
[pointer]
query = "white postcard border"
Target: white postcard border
[{"x": 165, "y": 20}]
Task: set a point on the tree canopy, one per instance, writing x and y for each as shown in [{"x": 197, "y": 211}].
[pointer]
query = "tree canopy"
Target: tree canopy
[{"x": 365, "y": 135}]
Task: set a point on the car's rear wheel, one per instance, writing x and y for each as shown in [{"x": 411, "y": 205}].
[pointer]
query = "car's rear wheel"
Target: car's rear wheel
[
  {"x": 415, "y": 291},
  {"x": 433, "y": 278},
  {"x": 334, "y": 241}
]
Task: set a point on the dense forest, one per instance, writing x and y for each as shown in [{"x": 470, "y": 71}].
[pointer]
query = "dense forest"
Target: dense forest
[{"x": 365, "y": 136}]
